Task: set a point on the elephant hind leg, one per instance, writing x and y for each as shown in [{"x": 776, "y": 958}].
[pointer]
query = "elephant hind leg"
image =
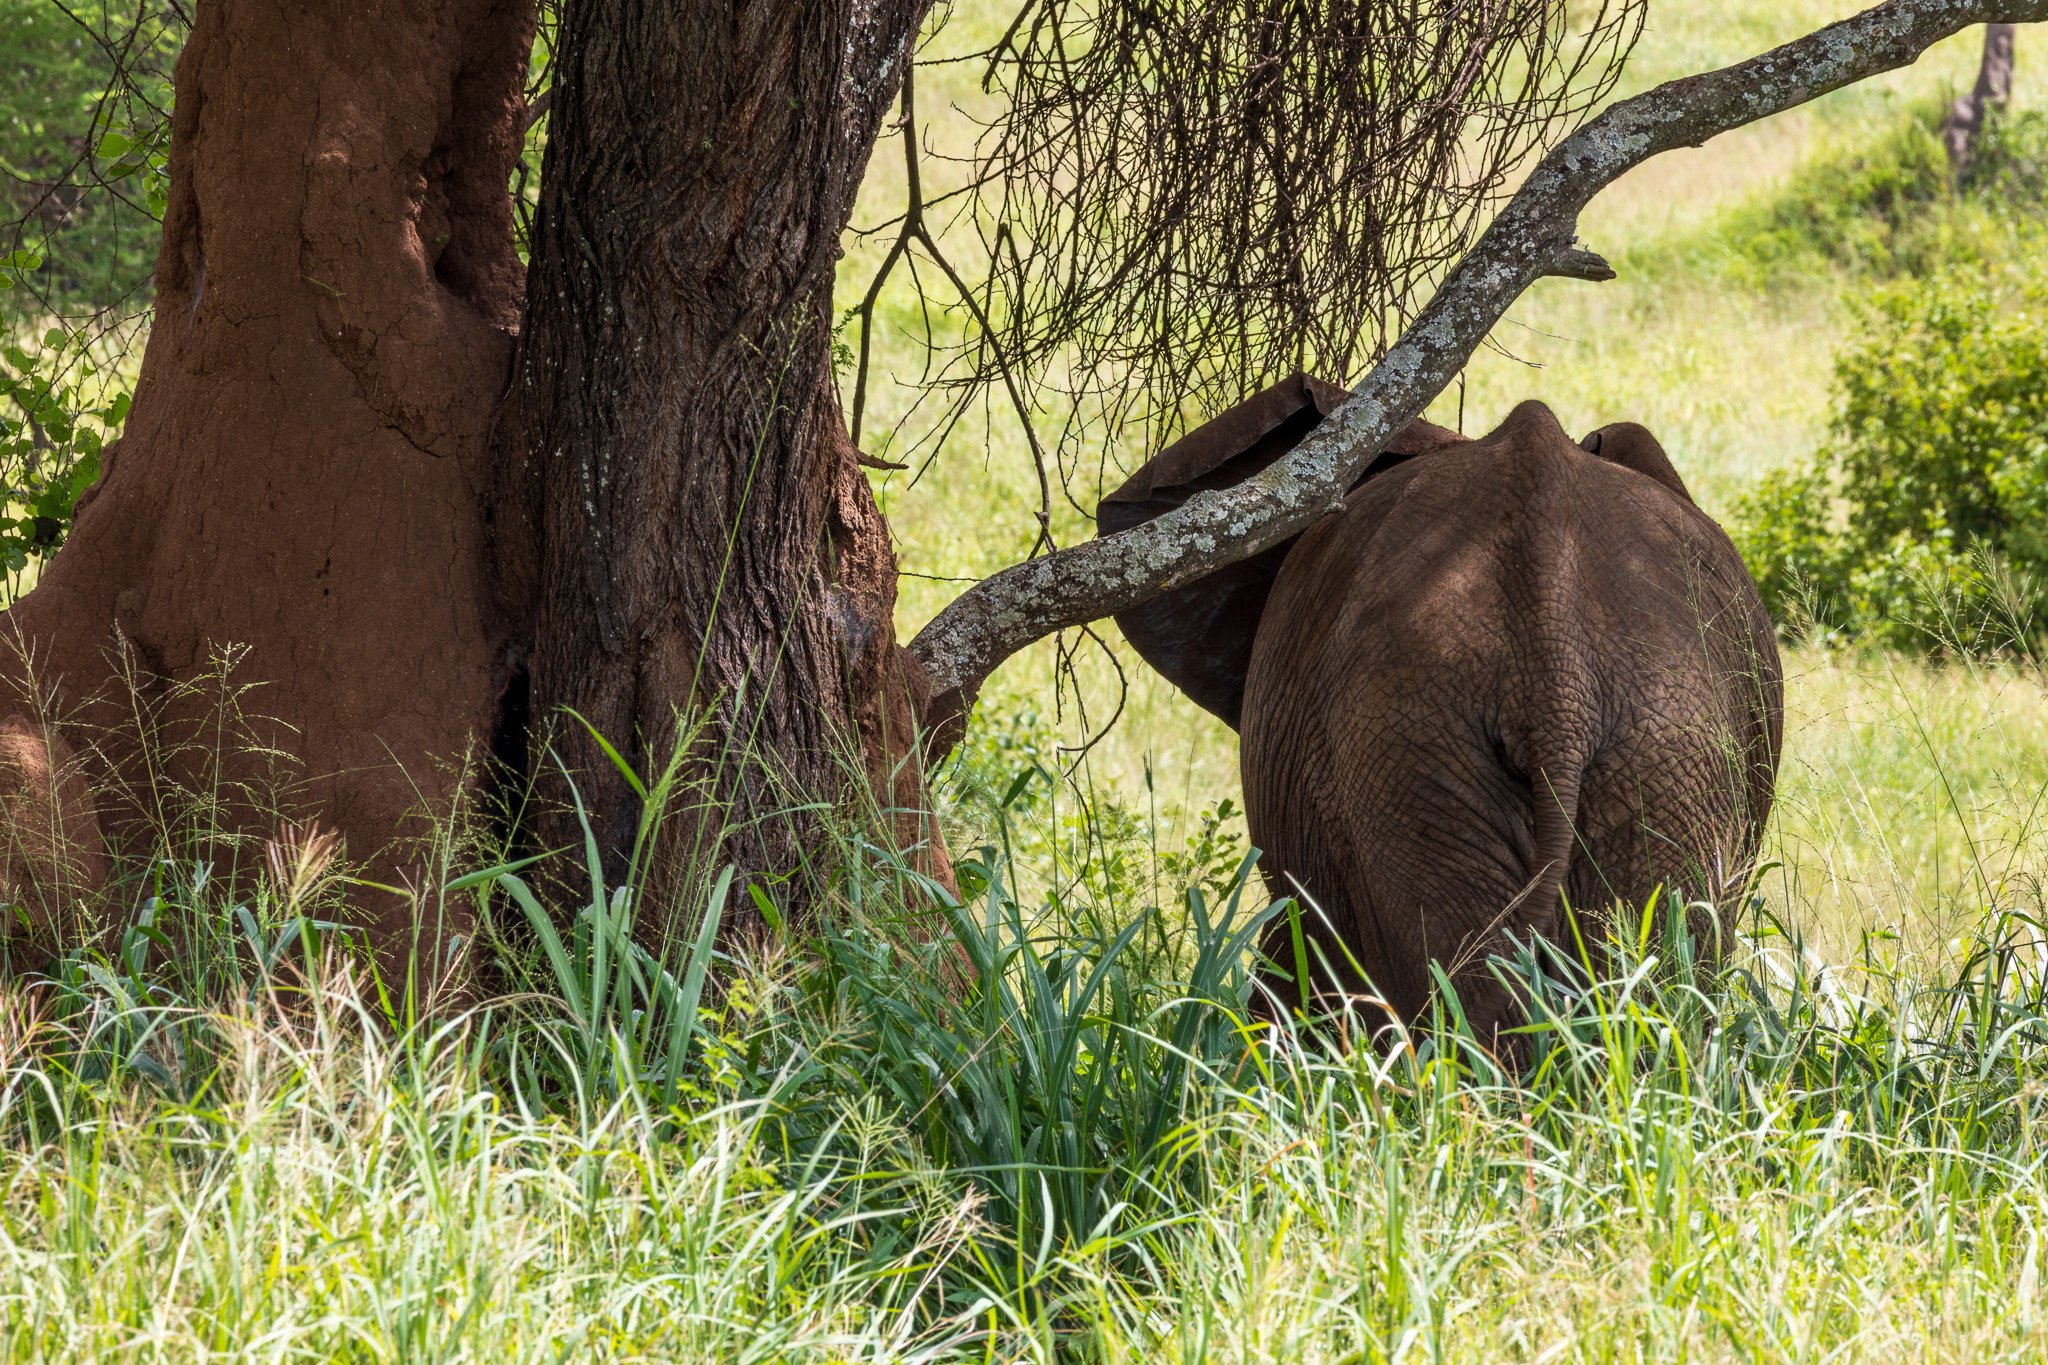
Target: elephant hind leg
[
  {"x": 1457, "y": 853},
  {"x": 1664, "y": 817}
]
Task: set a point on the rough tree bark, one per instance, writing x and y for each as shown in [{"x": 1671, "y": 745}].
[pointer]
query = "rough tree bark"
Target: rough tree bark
[
  {"x": 702, "y": 534},
  {"x": 300, "y": 474},
  {"x": 1533, "y": 236},
  {"x": 1965, "y": 122}
]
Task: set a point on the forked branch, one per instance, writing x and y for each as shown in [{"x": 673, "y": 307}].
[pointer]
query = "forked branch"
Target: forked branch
[{"x": 1533, "y": 236}]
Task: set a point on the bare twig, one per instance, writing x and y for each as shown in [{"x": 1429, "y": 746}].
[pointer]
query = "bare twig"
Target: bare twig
[
  {"x": 537, "y": 109},
  {"x": 915, "y": 231},
  {"x": 1578, "y": 264},
  {"x": 1067, "y": 668},
  {"x": 1199, "y": 196},
  {"x": 1532, "y": 237}
]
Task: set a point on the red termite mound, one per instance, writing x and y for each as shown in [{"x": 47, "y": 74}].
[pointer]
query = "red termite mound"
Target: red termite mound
[{"x": 303, "y": 469}]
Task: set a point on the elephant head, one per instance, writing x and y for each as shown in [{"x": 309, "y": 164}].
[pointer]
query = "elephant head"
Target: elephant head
[{"x": 1199, "y": 637}]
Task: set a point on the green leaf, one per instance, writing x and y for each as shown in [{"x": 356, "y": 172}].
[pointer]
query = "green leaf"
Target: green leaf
[
  {"x": 492, "y": 874},
  {"x": 618, "y": 760},
  {"x": 771, "y": 914}
]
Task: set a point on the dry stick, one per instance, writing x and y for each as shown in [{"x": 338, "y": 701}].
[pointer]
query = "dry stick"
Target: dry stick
[
  {"x": 916, "y": 230},
  {"x": 1534, "y": 236}
]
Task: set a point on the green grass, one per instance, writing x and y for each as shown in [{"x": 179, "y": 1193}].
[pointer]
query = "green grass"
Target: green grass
[
  {"x": 1053, "y": 1132},
  {"x": 1910, "y": 800}
]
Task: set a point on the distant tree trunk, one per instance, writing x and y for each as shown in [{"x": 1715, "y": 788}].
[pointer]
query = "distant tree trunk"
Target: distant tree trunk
[
  {"x": 301, "y": 472},
  {"x": 1966, "y": 117},
  {"x": 697, "y": 531}
]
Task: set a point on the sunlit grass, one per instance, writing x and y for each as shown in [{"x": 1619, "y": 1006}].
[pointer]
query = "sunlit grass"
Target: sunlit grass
[
  {"x": 1914, "y": 798},
  {"x": 1084, "y": 1148}
]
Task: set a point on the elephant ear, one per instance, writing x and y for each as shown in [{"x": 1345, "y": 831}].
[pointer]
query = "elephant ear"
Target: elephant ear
[
  {"x": 1199, "y": 637},
  {"x": 1633, "y": 447}
]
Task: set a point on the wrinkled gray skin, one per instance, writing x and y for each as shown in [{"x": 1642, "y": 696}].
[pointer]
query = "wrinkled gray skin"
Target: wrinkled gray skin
[{"x": 1511, "y": 668}]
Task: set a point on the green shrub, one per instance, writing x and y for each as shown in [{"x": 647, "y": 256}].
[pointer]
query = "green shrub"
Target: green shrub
[
  {"x": 1784, "y": 529},
  {"x": 1850, "y": 207},
  {"x": 1921, "y": 522},
  {"x": 59, "y": 407},
  {"x": 86, "y": 156},
  {"x": 1884, "y": 207}
]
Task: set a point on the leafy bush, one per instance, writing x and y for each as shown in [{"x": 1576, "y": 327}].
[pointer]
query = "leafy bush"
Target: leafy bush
[
  {"x": 1921, "y": 522},
  {"x": 1852, "y": 207},
  {"x": 1887, "y": 207},
  {"x": 58, "y": 410},
  {"x": 85, "y": 153}
]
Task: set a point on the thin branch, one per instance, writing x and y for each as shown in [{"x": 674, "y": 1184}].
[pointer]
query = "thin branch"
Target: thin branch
[
  {"x": 1203, "y": 195},
  {"x": 1067, "y": 667},
  {"x": 1577, "y": 264},
  {"x": 537, "y": 109},
  {"x": 916, "y": 231},
  {"x": 1533, "y": 236}
]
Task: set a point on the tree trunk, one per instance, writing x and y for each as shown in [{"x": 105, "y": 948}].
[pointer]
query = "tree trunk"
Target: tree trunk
[
  {"x": 302, "y": 470},
  {"x": 701, "y": 538},
  {"x": 1966, "y": 117}
]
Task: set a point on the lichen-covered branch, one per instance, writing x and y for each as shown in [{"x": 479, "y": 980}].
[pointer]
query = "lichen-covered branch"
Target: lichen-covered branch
[{"x": 1533, "y": 236}]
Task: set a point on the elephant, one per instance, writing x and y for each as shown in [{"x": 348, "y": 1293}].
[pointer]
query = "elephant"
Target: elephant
[{"x": 1514, "y": 679}]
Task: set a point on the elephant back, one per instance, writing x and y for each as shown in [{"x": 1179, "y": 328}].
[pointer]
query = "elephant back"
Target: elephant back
[{"x": 1199, "y": 637}]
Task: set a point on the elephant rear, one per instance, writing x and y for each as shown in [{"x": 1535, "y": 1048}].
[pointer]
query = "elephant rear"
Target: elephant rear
[{"x": 1515, "y": 673}]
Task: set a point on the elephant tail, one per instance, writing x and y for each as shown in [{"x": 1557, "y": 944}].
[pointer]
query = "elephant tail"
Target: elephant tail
[{"x": 1559, "y": 761}]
